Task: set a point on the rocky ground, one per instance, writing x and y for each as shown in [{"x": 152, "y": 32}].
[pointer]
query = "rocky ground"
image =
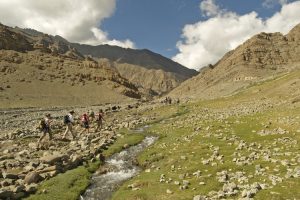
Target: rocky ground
[
  {"x": 241, "y": 147},
  {"x": 24, "y": 165}
]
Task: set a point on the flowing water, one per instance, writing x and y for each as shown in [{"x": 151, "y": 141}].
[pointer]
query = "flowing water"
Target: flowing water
[{"x": 122, "y": 168}]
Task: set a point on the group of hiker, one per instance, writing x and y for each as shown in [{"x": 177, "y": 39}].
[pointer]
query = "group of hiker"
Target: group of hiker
[
  {"x": 169, "y": 100},
  {"x": 69, "y": 121}
]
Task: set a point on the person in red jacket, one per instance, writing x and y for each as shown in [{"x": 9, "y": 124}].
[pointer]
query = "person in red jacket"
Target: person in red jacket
[{"x": 85, "y": 123}]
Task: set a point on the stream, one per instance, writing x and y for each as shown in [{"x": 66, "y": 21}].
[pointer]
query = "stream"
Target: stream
[{"x": 121, "y": 167}]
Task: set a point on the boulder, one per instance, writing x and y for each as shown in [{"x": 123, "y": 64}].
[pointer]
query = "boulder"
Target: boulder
[
  {"x": 31, "y": 188},
  {"x": 32, "y": 177},
  {"x": 18, "y": 189},
  {"x": 52, "y": 159},
  {"x": 10, "y": 175}
]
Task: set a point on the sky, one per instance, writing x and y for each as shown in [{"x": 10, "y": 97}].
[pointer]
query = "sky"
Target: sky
[{"x": 194, "y": 33}]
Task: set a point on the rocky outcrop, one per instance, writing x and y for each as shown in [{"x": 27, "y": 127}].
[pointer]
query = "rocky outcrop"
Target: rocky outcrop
[
  {"x": 10, "y": 40},
  {"x": 263, "y": 56}
]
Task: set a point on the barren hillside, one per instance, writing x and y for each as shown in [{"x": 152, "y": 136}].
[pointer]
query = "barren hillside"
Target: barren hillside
[
  {"x": 263, "y": 56},
  {"x": 47, "y": 72}
]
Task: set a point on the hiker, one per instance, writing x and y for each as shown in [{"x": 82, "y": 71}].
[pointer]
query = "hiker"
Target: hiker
[
  {"x": 169, "y": 100},
  {"x": 99, "y": 120},
  {"x": 69, "y": 122},
  {"x": 85, "y": 123},
  {"x": 45, "y": 127},
  {"x": 91, "y": 116}
]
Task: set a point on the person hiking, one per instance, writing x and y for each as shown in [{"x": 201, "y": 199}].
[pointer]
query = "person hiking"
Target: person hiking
[
  {"x": 69, "y": 122},
  {"x": 91, "y": 116},
  {"x": 85, "y": 123},
  {"x": 99, "y": 120},
  {"x": 45, "y": 127}
]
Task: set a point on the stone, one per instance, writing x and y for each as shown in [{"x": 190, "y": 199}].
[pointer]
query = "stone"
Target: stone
[
  {"x": 10, "y": 175},
  {"x": 185, "y": 182},
  {"x": 6, "y": 182},
  {"x": 183, "y": 157},
  {"x": 183, "y": 187},
  {"x": 19, "y": 188},
  {"x": 52, "y": 159},
  {"x": 32, "y": 177},
  {"x": 199, "y": 197},
  {"x": 31, "y": 166},
  {"x": 50, "y": 168},
  {"x": 32, "y": 188},
  {"x": 169, "y": 191},
  {"x": 176, "y": 182}
]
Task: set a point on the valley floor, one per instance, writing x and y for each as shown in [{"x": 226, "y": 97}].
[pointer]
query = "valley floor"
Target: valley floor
[{"x": 238, "y": 147}]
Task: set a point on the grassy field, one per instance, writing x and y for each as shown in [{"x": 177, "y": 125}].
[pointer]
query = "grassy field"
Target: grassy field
[{"x": 223, "y": 136}]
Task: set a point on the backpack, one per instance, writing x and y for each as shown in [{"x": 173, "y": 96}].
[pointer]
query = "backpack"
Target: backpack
[
  {"x": 66, "y": 119},
  {"x": 92, "y": 115},
  {"x": 84, "y": 119},
  {"x": 42, "y": 124}
]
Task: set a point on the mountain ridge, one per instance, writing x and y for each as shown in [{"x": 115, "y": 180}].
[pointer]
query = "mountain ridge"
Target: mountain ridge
[
  {"x": 263, "y": 56},
  {"x": 137, "y": 66}
]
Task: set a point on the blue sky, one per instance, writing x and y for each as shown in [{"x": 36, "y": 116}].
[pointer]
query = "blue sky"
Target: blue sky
[
  {"x": 194, "y": 33},
  {"x": 157, "y": 24}
]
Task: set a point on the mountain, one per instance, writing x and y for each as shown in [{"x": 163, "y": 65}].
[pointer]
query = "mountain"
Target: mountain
[
  {"x": 37, "y": 69},
  {"x": 144, "y": 68},
  {"x": 264, "y": 56},
  {"x": 151, "y": 73}
]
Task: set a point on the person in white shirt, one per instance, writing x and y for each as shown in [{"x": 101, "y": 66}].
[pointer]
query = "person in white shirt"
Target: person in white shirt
[{"x": 69, "y": 122}]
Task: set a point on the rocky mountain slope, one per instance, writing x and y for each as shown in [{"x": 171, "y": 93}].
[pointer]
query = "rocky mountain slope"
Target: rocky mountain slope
[
  {"x": 151, "y": 73},
  {"x": 41, "y": 70},
  {"x": 146, "y": 69},
  {"x": 262, "y": 57}
]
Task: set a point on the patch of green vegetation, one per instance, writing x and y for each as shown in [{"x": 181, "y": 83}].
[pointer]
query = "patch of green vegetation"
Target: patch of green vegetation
[
  {"x": 181, "y": 149},
  {"x": 68, "y": 185},
  {"x": 126, "y": 140}
]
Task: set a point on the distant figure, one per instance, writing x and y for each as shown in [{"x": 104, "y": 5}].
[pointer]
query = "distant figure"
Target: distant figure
[
  {"x": 166, "y": 100},
  {"x": 99, "y": 120},
  {"x": 85, "y": 123},
  {"x": 45, "y": 127},
  {"x": 91, "y": 116},
  {"x": 69, "y": 122}
]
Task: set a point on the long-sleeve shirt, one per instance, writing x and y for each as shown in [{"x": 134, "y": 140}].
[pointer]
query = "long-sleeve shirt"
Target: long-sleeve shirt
[{"x": 71, "y": 118}]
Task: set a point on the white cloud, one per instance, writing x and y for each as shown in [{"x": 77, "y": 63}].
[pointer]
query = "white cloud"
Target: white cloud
[
  {"x": 75, "y": 20},
  {"x": 207, "y": 41},
  {"x": 209, "y": 8}
]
